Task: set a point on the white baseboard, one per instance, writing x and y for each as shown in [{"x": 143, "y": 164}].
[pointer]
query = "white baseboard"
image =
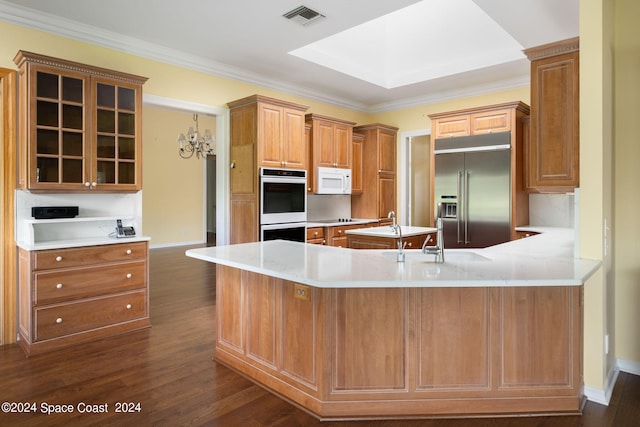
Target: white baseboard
[
  {"x": 629, "y": 367},
  {"x": 603, "y": 396}
]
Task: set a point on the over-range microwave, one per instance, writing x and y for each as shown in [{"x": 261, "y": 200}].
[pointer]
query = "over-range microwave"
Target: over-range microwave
[{"x": 333, "y": 181}]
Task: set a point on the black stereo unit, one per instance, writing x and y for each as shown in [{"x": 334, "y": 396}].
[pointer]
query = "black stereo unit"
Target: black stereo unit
[{"x": 52, "y": 212}]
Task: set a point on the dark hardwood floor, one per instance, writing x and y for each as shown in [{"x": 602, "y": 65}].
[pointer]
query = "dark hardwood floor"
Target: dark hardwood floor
[{"x": 168, "y": 370}]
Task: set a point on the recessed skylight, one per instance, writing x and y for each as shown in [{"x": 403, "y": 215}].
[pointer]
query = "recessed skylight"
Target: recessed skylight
[{"x": 424, "y": 41}]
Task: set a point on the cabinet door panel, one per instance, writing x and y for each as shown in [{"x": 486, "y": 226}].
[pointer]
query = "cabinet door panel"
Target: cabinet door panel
[
  {"x": 270, "y": 135},
  {"x": 64, "y": 319},
  {"x": 386, "y": 195},
  {"x": 342, "y": 144},
  {"x": 387, "y": 153},
  {"x": 67, "y": 284},
  {"x": 294, "y": 147}
]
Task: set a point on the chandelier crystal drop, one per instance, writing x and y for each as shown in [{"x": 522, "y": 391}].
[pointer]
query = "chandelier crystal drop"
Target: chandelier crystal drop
[{"x": 193, "y": 142}]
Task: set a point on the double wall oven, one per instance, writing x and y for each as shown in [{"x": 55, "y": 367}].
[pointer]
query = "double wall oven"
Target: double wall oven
[{"x": 283, "y": 204}]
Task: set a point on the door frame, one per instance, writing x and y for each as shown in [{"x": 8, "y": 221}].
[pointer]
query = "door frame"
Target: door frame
[
  {"x": 8, "y": 251},
  {"x": 405, "y": 175}
]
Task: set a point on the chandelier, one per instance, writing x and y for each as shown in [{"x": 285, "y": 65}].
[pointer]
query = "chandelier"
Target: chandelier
[{"x": 201, "y": 145}]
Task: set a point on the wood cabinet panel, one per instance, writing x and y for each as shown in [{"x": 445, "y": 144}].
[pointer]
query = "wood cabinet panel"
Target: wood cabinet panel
[
  {"x": 450, "y": 127},
  {"x": 294, "y": 148},
  {"x": 357, "y": 182},
  {"x": 356, "y": 241},
  {"x": 270, "y": 134},
  {"x": 299, "y": 334},
  {"x": 87, "y": 255},
  {"x": 230, "y": 324},
  {"x": 262, "y": 331},
  {"x": 386, "y": 195},
  {"x": 539, "y": 341},
  {"x": 66, "y": 319},
  {"x": 68, "y": 284},
  {"x": 491, "y": 122},
  {"x": 387, "y": 152},
  {"x": 553, "y": 157},
  {"x": 453, "y": 338},
  {"x": 343, "y": 149},
  {"x": 331, "y": 144},
  {"x": 370, "y": 339},
  {"x": 244, "y": 221}
]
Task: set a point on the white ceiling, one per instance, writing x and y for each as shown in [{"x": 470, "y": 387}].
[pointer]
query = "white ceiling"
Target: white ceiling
[{"x": 375, "y": 55}]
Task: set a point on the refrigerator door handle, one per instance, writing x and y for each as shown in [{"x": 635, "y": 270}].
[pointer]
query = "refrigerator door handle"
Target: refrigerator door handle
[
  {"x": 466, "y": 208},
  {"x": 460, "y": 206}
]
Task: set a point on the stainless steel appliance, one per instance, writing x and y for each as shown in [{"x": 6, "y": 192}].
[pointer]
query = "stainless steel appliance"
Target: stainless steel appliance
[
  {"x": 472, "y": 189},
  {"x": 283, "y": 204}
]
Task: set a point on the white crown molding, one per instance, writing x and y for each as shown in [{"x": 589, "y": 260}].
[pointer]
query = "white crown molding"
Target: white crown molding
[{"x": 53, "y": 24}]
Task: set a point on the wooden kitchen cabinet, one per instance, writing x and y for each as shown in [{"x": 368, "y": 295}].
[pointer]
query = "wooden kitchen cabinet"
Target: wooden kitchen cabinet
[
  {"x": 80, "y": 126},
  {"x": 357, "y": 241},
  {"x": 330, "y": 144},
  {"x": 552, "y": 155},
  {"x": 378, "y": 172},
  {"x": 74, "y": 295},
  {"x": 316, "y": 236},
  {"x": 473, "y": 121},
  {"x": 264, "y": 132},
  {"x": 357, "y": 183}
]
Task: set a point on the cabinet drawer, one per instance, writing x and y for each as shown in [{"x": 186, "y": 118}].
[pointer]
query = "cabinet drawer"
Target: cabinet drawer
[
  {"x": 491, "y": 121},
  {"x": 315, "y": 233},
  {"x": 64, "y": 319},
  {"x": 67, "y": 284},
  {"x": 58, "y": 258}
]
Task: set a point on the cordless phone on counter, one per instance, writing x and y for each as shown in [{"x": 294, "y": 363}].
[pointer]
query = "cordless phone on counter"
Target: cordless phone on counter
[{"x": 124, "y": 231}]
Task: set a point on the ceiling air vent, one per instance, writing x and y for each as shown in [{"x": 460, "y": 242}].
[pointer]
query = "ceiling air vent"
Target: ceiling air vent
[{"x": 303, "y": 15}]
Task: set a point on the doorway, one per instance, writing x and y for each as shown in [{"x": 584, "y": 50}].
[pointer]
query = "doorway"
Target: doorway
[
  {"x": 210, "y": 202},
  {"x": 415, "y": 190}
]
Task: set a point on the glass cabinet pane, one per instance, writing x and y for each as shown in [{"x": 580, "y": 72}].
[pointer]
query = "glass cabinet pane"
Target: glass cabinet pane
[
  {"x": 126, "y": 173},
  {"x": 46, "y": 85},
  {"x": 47, "y": 169},
  {"x": 106, "y": 147},
  {"x": 72, "y": 171},
  {"x": 47, "y": 114},
  {"x": 106, "y": 96},
  {"x": 72, "y": 117},
  {"x": 126, "y": 99},
  {"x": 126, "y": 124},
  {"x": 47, "y": 141},
  {"x": 127, "y": 148},
  {"x": 72, "y": 144},
  {"x": 72, "y": 90},
  {"x": 106, "y": 121},
  {"x": 106, "y": 172}
]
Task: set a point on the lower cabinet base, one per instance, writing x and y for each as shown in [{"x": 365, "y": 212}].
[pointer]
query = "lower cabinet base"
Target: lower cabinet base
[
  {"x": 365, "y": 353},
  {"x": 39, "y": 347},
  {"x": 403, "y": 408}
]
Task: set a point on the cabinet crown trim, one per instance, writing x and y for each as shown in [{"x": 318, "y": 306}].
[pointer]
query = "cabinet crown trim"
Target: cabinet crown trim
[
  {"x": 553, "y": 49},
  {"x": 374, "y": 126},
  {"x": 517, "y": 105},
  {"x": 35, "y": 58},
  {"x": 254, "y": 99},
  {"x": 313, "y": 116}
]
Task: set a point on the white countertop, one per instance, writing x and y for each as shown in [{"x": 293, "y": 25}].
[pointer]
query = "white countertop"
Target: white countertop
[
  {"x": 386, "y": 231},
  {"x": 79, "y": 242},
  {"x": 542, "y": 260}
]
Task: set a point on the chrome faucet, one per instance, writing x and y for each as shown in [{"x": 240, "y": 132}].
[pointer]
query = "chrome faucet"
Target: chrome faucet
[
  {"x": 438, "y": 248},
  {"x": 397, "y": 230},
  {"x": 392, "y": 215}
]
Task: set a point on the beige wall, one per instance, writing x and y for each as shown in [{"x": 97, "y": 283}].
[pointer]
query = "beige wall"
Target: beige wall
[
  {"x": 626, "y": 231},
  {"x": 166, "y": 176}
]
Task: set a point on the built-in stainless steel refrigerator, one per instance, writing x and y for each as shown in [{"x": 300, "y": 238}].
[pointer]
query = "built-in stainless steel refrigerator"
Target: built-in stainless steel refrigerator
[{"x": 473, "y": 189}]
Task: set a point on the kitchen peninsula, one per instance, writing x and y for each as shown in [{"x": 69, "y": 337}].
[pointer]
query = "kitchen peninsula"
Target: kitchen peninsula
[{"x": 352, "y": 334}]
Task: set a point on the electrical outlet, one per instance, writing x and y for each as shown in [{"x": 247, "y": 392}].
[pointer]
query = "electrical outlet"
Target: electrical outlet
[{"x": 302, "y": 292}]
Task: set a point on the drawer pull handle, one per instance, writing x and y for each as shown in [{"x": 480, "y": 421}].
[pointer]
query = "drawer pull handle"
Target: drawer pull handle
[
  {"x": 59, "y": 286},
  {"x": 129, "y": 275},
  {"x": 128, "y": 251},
  {"x": 128, "y": 306},
  {"x": 315, "y": 233},
  {"x": 58, "y": 258},
  {"x": 59, "y": 320}
]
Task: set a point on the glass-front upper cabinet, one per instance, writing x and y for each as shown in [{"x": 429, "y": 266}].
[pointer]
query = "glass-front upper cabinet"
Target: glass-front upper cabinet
[{"x": 80, "y": 126}]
